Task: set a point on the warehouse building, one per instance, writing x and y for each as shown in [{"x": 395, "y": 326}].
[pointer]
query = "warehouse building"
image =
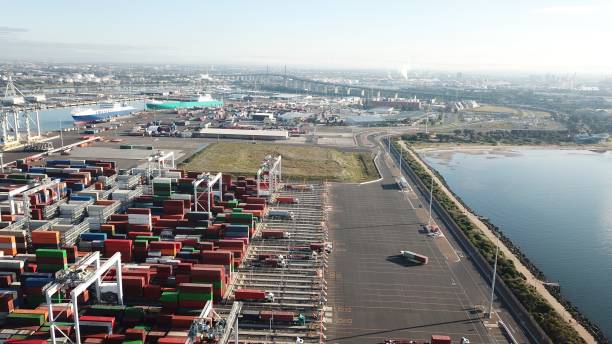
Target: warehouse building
[{"x": 245, "y": 134}]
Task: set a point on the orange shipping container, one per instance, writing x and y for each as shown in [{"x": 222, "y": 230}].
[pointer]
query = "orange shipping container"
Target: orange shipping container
[
  {"x": 45, "y": 237},
  {"x": 8, "y": 245}
]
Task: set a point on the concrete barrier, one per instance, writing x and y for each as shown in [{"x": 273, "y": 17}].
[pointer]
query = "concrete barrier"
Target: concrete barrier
[{"x": 518, "y": 311}]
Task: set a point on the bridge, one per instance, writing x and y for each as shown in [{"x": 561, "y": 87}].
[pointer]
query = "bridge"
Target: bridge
[{"x": 298, "y": 84}]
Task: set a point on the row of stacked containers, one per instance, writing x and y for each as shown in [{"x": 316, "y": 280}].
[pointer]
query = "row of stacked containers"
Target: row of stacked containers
[{"x": 175, "y": 259}]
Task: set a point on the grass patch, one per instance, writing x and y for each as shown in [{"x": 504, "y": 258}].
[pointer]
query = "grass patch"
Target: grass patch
[
  {"x": 299, "y": 162},
  {"x": 495, "y": 108}
]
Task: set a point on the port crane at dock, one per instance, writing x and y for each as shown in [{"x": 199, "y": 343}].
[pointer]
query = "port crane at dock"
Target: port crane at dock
[{"x": 17, "y": 110}]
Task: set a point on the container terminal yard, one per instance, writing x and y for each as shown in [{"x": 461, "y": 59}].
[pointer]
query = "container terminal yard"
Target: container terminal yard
[{"x": 106, "y": 240}]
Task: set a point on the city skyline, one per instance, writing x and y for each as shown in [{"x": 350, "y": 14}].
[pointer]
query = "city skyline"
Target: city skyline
[{"x": 520, "y": 36}]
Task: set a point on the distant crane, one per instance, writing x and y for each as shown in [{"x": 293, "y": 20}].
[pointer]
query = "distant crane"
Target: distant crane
[{"x": 17, "y": 105}]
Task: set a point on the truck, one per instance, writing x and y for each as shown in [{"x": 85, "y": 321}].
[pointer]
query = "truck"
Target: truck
[
  {"x": 439, "y": 339},
  {"x": 414, "y": 257},
  {"x": 321, "y": 246},
  {"x": 275, "y": 316},
  {"x": 253, "y": 295},
  {"x": 281, "y": 214},
  {"x": 287, "y": 200},
  {"x": 275, "y": 234},
  {"x": 435, "y": 339},
  {"x": 282, "y": 317},
  {"x": 270, "y": 260}
]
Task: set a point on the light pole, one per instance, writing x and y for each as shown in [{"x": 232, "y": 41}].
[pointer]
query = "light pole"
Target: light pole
[
  {"x": 401, "y": 158},
  {"x": 493, "y": 279},
  {"x": 430, "y": 200},
  {"x": 61, "y": 134}
]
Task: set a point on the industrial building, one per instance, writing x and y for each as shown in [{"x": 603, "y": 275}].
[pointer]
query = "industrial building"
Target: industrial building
[
  {"x": 246, "y": 134},
  {"x": 412, "y": 104},
  {"x": 262, "y": 116}
]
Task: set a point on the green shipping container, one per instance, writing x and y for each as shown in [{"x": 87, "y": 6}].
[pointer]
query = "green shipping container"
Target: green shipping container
[
  {"x": 242, "y": 216},
  {"x": 169, "y": 296},
  {"x": 195, "y": 296},
  {"x": 23, "y": 319},
  {"x": 51, "y": 253}
]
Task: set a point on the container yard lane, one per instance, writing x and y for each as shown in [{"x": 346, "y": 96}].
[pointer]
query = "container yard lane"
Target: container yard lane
[{"x": 376, "y": 294}]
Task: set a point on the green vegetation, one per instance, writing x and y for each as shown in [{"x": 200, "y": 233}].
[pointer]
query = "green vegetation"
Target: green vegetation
[
  {"x": 495, "y": 108},
  {"x": 548, "y": 319},
  {"x": 587, "y": 121},
  {"x": 299, "y": 162},
  {"x": 495, "y": 137}
]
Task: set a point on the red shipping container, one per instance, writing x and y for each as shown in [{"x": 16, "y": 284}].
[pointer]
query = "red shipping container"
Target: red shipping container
[
  {"x": 222, "y": 257},
  {"x": 438, "y": 339},
  {"x": 249, "y": 294},
  {"x": 114, "y": 339},
  {"x": 118, "y": 245},
  {"x": 139, "y": 227},
  {"x": 232, "y": 244},
  {"x": 152, "y": 291},
  {"x": 268, "y": 234},
  {"x": 172, "y": 340},
  {"x": 144, "y": 273},
  {"x": 136, "y": 334},
  {"x": 181, "y": 321},
  {"x": 143, "y": 211},
  {"x": 92, "y": 318},
  {"x": 182, "y": 278},
  {"x": 134, "y": 234},
  {"x": 286, "y": 200}
]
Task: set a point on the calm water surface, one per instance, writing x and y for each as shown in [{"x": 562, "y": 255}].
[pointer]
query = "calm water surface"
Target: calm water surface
[
  {"x": 50, "y": 119},
  {"x": 556, "y": 205}
]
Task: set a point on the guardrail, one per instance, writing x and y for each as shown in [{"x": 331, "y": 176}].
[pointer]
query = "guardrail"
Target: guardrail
[{"x": 518, "y": 311}]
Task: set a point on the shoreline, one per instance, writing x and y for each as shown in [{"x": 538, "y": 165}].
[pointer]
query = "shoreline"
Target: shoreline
[
  {"x": 530, "y": 277},
  {"x": 470, "y": 147}
]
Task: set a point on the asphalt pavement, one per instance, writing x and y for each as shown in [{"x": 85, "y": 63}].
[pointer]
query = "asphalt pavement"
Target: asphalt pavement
[{"x": 375, "y": 295}]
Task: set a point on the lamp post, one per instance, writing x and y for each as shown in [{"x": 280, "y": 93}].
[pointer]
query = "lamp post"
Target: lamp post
[
  {"x": 430, "y": 200},
  {"x": 61, "y": 134},
  {"x": 493, "y": 280}
]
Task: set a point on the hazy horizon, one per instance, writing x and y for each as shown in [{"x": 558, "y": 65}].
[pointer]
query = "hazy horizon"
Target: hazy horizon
[{"x": 519, "y": 36}]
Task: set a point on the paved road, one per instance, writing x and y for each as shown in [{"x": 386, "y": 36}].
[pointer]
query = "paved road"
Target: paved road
[{"x": 374, "y": 295}]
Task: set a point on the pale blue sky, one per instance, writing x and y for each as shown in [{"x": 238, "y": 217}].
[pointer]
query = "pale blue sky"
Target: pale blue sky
[{"x": 545, "y": 35}]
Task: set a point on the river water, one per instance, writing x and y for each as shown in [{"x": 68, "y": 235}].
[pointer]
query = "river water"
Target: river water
[
  {"x": 51, "y": 119},
  {"x": 556, "y": 205}
]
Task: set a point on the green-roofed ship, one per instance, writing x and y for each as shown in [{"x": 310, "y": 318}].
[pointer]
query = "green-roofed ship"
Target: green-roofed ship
[{"x": 199, "y": 101}]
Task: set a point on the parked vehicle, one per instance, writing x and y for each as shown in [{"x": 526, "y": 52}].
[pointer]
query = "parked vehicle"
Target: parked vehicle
[
  {"x": 275, "y": 234},
  {"x": 414, "y": 257},
  {"x": 281, "y": 214},
  {"x": 253, "y": 295}
]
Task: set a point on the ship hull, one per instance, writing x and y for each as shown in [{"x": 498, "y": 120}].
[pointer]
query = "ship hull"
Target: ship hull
[
  {"x": 183, "y": 105},
  {"x": 101, "y": 117}
]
